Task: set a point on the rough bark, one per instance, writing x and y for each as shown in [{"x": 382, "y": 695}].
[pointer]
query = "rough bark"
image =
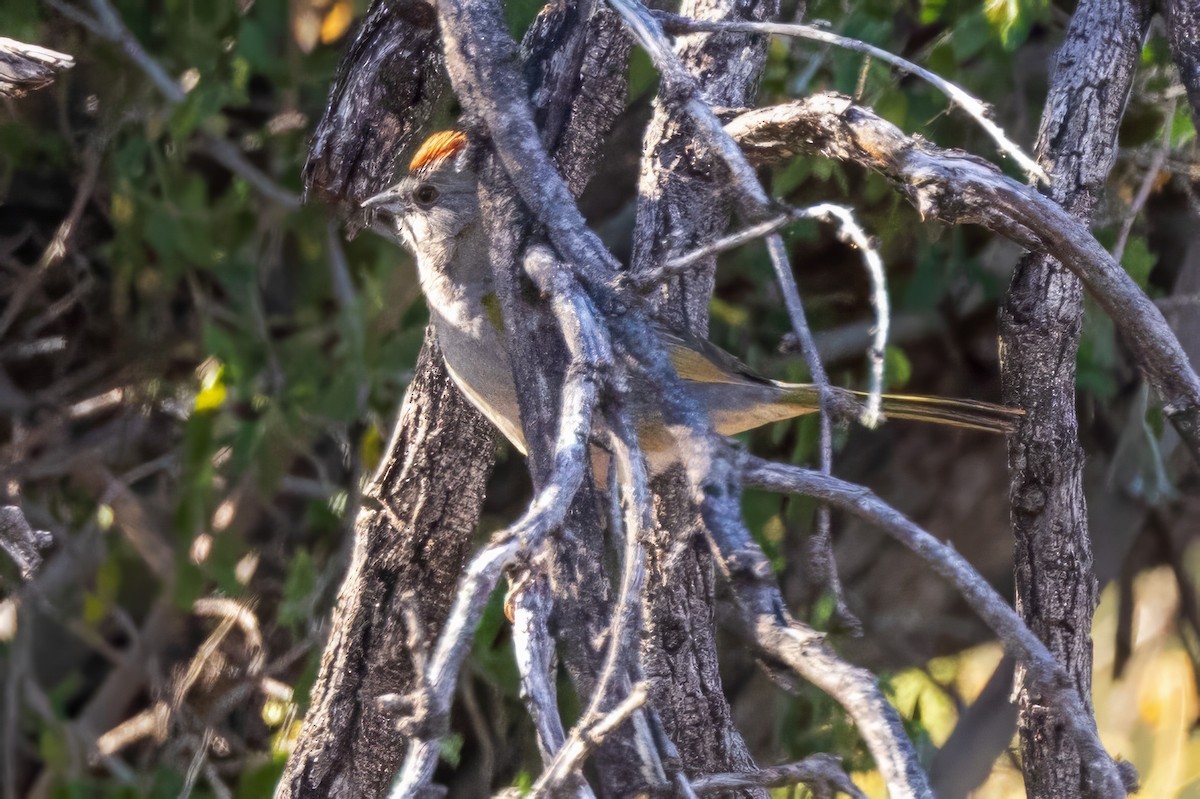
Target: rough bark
[
  {"x": 1040, "y": 324},
  {"x": 682, "y": 207},
  {"x": 418, "y": 516},
  {"x": 412, "y": 537},
  {"x": 1183, "y": 36},
  {"x": 27, "y": 67},
  {"x": 385, "y": 89}
]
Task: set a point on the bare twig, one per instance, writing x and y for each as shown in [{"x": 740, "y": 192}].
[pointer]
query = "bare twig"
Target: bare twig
[
  {"x": 580, "y": 746},
  {"x": 978, "y": 110},
  {"x": 22, "y": 543},
  {"x": 1147, "y": 186},
  {"x": 534, "y": 652},
  {"x": 57, "y": 249},
  {"x": 853, "y": 234},
  {"x": 631, "y": 476},
  {"x": 823, "y": 772},
  {"x": 849, "y": 230},
  {"x": 649, "y": 279}
]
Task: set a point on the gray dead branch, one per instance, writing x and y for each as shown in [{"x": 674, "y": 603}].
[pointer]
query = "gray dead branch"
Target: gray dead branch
[
  {"x": 27, "y": 67},
  {"x": 21, "y": 541}
]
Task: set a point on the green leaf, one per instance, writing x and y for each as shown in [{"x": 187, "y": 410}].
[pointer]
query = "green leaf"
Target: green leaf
[
  {"x": 897, "y": 369},
  {"x": 971, "y": 33},
  {"x": 1138, "y": 260},
  {"x": 298, "y": 587},
  {"x": 450, "y": 750}
]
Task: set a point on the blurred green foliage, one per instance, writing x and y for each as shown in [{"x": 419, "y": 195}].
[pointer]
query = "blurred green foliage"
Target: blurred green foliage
[{"x": 262, "y": 357}]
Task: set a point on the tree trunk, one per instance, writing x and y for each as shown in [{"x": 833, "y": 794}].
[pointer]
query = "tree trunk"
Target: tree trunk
[
  {"x": 1039, "y": 329},
  {"x": 412, "y": 538},
  {"x": 682, "y": 208}
]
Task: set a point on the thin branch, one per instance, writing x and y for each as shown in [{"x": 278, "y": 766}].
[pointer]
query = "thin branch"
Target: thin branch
[
  {"x": 21, "y": 541},
  {"x": 26, "y": 67},
  {"x": 1146, "y": 187},
  {"x": 822, "y": 772},
  {"x": 1016, "y": 638},
  {"x": 534, "y": 652},
  {"x": 822, "y": 563},
  {"x": 577, "y": 749},
  {"x": 631, "y": 475},
  {"x": 651, "y": 278},
  {"x": 850, "y": 231},
  {"x": 56, "y": 250},
  {"x": 977, "y": 109}
]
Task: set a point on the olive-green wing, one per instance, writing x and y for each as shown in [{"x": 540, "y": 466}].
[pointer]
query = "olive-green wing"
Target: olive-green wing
[{"x": 696, "y": 359}]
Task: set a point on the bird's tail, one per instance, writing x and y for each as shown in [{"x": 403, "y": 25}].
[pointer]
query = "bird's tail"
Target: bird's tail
[
  {"x": 956, "y": 412},
  {"x": 970, "y": 414}
]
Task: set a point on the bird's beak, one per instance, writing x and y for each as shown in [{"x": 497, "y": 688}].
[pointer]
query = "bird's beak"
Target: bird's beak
[{"x": 388, "y": 199}]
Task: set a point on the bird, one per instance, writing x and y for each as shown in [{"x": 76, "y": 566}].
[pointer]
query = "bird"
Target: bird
[{"x": 433, "y": 212}]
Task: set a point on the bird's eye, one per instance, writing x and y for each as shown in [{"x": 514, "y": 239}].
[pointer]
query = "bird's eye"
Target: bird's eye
[{"x": 425, "y": 194}]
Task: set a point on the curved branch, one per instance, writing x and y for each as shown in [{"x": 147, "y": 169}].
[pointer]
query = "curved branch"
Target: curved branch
[
  {"x": 958, "y": 188},
  {"x": 1107, "y": 776},
  {"x": 959, "y": 96}
]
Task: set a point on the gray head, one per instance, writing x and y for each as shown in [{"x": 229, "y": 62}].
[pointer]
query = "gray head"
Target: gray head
[{"x": 436, "y": 205}]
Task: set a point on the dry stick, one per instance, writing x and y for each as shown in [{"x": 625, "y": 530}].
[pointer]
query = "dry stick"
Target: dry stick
[
  {"x": 492, "y": 89},
  {"x": 958, "y": 188},
  {"x": 651, "y": 278},
  {"x": 626, "y": 623},
  {"x": 533, "y": 649},
  {"x": 1016, "y": 638},
  {"x": 821, "y": 771},
  {"x": 822, "y": 563},
  {"x": 977, "y": 109},
  {"x": 26, "y": 67},
  {"x": 590, "y": 353},
  {"x": 587, "y": 738},
  {"x": 56, "y": 250},
  {"x": 851, "y": 232}
]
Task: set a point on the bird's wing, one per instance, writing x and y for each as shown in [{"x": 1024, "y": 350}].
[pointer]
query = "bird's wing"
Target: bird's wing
[{"x": 696, "y": 359}]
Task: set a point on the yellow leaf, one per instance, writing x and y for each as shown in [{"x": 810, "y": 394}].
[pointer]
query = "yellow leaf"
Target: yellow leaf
[
  {"x": 337, "y": 21},
  {"x": 211, "y": 398},
  {"x": 212, "y": 387}
]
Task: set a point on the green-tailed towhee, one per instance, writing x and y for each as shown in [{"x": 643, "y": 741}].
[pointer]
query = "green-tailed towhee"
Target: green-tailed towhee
[{"x": 434, "y": 213}]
